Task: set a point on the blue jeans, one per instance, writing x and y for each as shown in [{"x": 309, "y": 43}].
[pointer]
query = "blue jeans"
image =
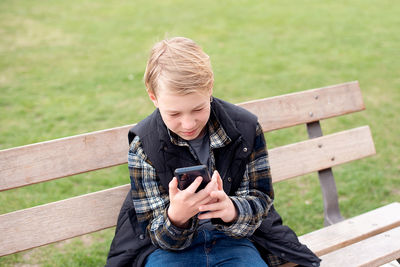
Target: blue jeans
[{"x": 210, "y": 248}]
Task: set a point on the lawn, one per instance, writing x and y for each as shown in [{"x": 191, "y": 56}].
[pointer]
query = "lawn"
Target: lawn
[{"x": 71, "y": 67}]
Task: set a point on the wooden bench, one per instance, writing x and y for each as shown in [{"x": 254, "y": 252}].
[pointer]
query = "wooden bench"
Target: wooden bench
[{"x": 368, "y": 239}]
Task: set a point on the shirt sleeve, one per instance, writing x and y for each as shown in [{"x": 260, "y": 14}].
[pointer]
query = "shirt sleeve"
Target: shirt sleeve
[
  {"x": 254, "y": 196},
  {"x": 151, "y": 202}
]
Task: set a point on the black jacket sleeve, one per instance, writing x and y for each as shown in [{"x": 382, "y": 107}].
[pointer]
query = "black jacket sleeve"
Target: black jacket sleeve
[{"x": 130, "y": 245}]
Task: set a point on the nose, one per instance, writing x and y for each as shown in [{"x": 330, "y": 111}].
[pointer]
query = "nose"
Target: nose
[{"x": 188, "y": 123}]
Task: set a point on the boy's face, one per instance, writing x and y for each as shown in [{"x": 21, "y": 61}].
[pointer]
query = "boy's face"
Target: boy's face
[{"x": 185, "y": 115}]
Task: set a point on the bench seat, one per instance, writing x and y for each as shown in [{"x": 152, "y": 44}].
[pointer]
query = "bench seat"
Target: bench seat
[
  {"x": 373, "y": 251},
  {"x": 369, "y": 239},
  {"x": 353, "y": 230}
]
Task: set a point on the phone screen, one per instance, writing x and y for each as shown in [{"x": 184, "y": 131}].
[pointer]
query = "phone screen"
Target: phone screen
[{"x": 187, "y": 175}]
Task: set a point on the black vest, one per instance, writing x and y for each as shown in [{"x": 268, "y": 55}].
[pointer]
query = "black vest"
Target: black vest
[
  {"x": 131, "y": 244},
  {"x": 230, "y": 161}
]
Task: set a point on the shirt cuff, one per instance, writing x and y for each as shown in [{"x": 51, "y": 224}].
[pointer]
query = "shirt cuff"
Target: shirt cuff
[
  {"x": 240, "y": 226},
  {"x": 179, "y": 232}
]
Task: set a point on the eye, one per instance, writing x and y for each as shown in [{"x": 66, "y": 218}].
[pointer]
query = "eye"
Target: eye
[{"x": 198, "y": 110}]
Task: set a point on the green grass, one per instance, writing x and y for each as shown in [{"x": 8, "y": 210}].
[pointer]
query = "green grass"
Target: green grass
[{"x": 76, "y": 66}]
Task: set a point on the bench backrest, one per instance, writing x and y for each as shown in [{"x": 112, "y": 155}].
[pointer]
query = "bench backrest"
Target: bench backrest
[{"x": 41, "y": 162}]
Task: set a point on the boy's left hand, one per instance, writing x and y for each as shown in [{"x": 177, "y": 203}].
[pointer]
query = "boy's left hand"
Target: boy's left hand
[{"x": 223, "y": 207}]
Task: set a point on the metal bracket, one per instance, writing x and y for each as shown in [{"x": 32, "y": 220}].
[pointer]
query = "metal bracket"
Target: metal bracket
[{"x": 327, "y": 182}]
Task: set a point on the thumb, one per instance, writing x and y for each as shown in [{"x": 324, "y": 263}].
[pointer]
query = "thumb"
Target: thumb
[
  {"x": 219, "y": 180},
  {"x": 173, "y": 187}
]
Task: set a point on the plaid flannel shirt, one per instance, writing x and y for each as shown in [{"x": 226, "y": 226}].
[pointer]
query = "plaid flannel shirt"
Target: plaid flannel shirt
[{"x": 252, "y": 199}]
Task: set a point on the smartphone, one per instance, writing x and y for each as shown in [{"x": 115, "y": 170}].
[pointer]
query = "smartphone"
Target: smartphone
[{"x": 187, "y": 175}]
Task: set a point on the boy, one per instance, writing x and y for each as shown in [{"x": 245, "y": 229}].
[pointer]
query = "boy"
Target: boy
[{"x": 231, "y": 221}]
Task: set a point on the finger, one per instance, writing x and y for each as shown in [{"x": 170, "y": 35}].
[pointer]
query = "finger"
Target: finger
[
  {"x": 173, "y": 186},
  {"x": 216, "y": 198},
  {"x": 211, "y": 207},
  {"x": 212, "y": 186},
  {"x": 194, "y": 185},
  {"x": 206, "y": 200},
  {"x": 220, "y": 195},
  {"x": 219, "y": 180},
  {"x": 205, "y": 196},
  {"x": 209, "y": 215},
  {"x": 214, "y": 176}
]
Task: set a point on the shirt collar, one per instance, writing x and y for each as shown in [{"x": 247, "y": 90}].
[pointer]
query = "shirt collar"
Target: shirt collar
[{"x": 218, "y": 136}]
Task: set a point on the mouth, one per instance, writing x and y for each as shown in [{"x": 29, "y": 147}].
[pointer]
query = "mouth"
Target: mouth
[{"x": 189, "y": 133}]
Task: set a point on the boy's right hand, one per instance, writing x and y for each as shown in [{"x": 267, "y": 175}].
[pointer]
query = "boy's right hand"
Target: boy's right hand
[{"x": 184, "y": 204}]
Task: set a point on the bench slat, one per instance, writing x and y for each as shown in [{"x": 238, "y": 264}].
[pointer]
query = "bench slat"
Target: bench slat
[
  {"x": 92, "y": 151},
  {"x": 374, "y": 251},
  {"x": 286, "y": 161},
  {"x": 307, "y": 106},
  {"x": 353, "y": 230},
  {"x": 41, "y": 225},
  {"x": 46, "y": 161},
  {"x": 320, "y": 153}
]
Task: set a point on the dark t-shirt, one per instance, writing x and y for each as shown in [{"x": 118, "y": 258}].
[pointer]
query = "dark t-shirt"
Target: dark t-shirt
[{"x": 201, "y": 146}]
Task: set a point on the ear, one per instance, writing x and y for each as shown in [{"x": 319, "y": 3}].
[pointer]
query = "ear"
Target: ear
[
  {"x": 153, "y": 98},
  {"x": 210, "y": 92}
]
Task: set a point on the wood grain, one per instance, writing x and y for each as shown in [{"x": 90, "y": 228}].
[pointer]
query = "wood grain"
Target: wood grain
[
  {"x": 306, "y": 106},
  {"x": 68, "y": 156},
  {"x": 353, "y": 230},
  {"x": 320, "y": 153},
  {"x": 374, "y": 251},
  {"x": 286, "y": 162},
  {"x": 63, "y": 157},
  {"x": 41, "y": 225}
]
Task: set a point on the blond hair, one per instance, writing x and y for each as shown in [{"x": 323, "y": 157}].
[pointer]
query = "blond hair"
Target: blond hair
[{"x": 178, "y": 64}]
